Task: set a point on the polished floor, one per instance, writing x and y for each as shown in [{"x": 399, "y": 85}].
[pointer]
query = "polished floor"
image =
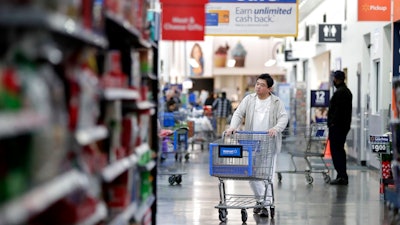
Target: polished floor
[{"x": 297, "y": 202}]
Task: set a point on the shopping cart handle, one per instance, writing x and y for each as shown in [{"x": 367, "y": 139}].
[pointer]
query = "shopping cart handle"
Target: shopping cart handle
[{"x": 251, "y": 132}]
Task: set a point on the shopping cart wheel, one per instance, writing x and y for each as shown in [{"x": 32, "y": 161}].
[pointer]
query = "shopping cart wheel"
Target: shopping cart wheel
[
  {"x": 309, "y": 179},
  {"x": 171, "y": 180},
  {"x": 178, "y": 179},
  {"x": 187, "y": 156},
  {"x": 222, "y": 215},
  {"x": 244, "y": 215},
  {"x": 272, "y": 211},
  {"x": 327, "y": 178},
  {"x": 279, "y": 177}
]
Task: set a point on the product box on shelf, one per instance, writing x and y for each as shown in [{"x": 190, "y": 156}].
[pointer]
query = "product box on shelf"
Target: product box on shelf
[
  {"x": 114, "y": 76},
  {"x": 113, "y": 121},
  {"x": 117, "y": 194},
  {"x": 113, "y": 6},
  {"x": 146, "y": 188},
  {"x": 146, "y": 62},
  {"x": 15, "y": 158},
  {"x": 136, "y": 78},
  {"x": 69, "y": 210},
  {"x": 130, "y": 133},
  {"x": 144, "y": 123},
  {"x": 135, "y": 185}
]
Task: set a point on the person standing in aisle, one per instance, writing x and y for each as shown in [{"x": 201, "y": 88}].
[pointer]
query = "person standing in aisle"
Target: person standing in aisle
[
  {"x": 262, "y": 111},
  {"x": 339, "y": 121},
  {"x": 223, "y": 108}
]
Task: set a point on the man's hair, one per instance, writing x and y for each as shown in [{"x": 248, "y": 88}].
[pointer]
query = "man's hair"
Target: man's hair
[
  {"x": 223, "y": 94},
  {"x": 267, "y": 78}
]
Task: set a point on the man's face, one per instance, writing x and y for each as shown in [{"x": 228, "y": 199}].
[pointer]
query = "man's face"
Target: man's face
[
  {"x": 261, "y": 87},
  {"x": 335, "y": 82}
]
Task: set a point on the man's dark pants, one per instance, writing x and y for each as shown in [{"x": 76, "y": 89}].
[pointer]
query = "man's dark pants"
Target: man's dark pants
[{"x": 337, "y": 139}]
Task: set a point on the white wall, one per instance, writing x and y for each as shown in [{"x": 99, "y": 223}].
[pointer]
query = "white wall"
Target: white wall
[{"x": 353, "y": 50}]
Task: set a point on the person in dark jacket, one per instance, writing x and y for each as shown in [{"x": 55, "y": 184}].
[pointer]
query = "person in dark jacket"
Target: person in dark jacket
[
  {"x": 339, "y": 121},
  {"x": 223, "y": 108}
]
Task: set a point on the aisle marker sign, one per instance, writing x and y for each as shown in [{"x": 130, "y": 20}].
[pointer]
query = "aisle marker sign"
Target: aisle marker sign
[
  {"x": 251, "y": 18},
  {"x": 379, "y": 143},
  {"x": 319, "y": 98}
]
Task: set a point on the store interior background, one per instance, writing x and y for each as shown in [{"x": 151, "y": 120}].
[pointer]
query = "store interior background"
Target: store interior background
[{"x": 364, "y": 54}]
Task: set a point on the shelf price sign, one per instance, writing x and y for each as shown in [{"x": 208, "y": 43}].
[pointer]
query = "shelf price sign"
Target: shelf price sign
[{"x": 379, "y": 143}]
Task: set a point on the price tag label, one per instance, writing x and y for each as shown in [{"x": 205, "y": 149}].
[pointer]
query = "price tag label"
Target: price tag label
[{"x": 379, "y": 144}]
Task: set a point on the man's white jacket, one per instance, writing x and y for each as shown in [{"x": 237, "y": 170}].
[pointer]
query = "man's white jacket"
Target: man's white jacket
[{"x": 278, "y": 117}]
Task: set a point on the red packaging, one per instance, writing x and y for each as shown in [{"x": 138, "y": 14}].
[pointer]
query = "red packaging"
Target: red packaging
[
  {"x": 87, "y": 14},
  {"x": 114, "y": 76}
]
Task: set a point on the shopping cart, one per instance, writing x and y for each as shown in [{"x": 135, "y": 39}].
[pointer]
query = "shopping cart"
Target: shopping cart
[
  {"x": 200, "y": 131},
  {"x": 309, "y": 143},
  {"x": 173, "y": 150},
  {"x": 249, "y": 156}
]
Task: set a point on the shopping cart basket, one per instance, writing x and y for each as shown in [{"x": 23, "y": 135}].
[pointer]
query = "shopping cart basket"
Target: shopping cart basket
[
  {"x": 309, "y": 143},
  {"x": 249, "y": 156},
  {"x": 176, "y": 145}
]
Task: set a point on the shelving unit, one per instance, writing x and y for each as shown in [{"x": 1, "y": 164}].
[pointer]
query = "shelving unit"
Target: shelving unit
[
  {"x": 83, "y": 147},
  {"x": 33, "y": 17},
  {"x": 40, "y": 198}
]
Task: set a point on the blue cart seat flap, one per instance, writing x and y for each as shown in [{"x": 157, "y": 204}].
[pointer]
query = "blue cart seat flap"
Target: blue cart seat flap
[{"x": 237, "y": 171}]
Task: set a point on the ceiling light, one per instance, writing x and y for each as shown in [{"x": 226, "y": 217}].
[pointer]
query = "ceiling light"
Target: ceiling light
[
  {"x": 193, "y": 63},
  {"x": 231, "y": 63},
  {"x": 270, "y": 63}
]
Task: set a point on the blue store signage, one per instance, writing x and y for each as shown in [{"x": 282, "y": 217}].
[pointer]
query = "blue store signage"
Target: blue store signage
[{"x": 319, "y": 98}]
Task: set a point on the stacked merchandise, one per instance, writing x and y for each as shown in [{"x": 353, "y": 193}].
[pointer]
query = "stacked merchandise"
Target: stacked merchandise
[{"x": 75, "y": 113}]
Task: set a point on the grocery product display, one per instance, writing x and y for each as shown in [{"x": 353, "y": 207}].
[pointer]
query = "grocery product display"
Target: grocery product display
[{"x": 77, "y": 111}]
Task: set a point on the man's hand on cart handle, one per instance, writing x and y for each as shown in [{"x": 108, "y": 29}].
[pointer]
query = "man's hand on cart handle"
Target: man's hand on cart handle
[
  {"x": 272, "y": 132},
  {"x": 229, "y": 132}
]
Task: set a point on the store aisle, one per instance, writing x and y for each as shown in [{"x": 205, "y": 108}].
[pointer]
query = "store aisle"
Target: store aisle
[{"x": 296, "y": 202}]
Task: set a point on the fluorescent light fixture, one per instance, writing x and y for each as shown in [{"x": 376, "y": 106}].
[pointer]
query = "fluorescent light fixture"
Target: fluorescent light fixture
[
  {"x": 193, "y": 63},
  {"x": 187, "y": 83},
  {"x": 270, "y": 63},
  {"x": 231, "y": 63}
]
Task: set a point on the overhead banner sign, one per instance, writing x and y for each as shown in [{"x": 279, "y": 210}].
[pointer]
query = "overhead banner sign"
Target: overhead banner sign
[
  {"x": 183, "y": 21},
  {"x": 330, "y": 33},
  {"x": 251, "y": 18},
  {"x": 374, "y": 10},
  {"x": 396, "y": 11}
]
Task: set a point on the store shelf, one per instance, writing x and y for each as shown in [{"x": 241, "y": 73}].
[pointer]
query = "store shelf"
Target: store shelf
[
  {"x": 137, "y": 106},
  {"x": 90, "y": 135},
  {"x": 132, "y": 32},
  {"x": 148, "y": 166},
  {"x": 99, "y": 215},
  {"x": 144, "y": 207},
  {"x": 141, "y": 149},
  {"x": 120, "y": 94},
  {"x": 14, "y": 123},
  {"x": 118, "y": 167},
  {"x": 133, "y": 211},
  {"x": 39, "y": 18},
  {"x": 40, "y": 198}
]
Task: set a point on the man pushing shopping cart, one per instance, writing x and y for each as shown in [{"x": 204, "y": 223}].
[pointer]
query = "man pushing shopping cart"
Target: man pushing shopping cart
[{"x": 265, "y": 116}]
